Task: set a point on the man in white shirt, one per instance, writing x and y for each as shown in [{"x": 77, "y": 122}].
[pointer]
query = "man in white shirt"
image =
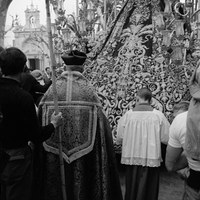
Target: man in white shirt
[
  {"x": 175, "y": 157},
  {"x": 141, "y": 131}
]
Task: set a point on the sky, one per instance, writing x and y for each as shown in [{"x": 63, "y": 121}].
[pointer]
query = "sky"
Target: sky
[{"x": 17, "y": 7}]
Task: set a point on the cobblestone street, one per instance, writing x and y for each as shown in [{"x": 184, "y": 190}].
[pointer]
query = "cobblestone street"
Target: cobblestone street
[{"x": 171, "y": 186}]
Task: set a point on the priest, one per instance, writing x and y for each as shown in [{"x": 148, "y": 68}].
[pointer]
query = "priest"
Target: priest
[{"x": 89, "y": 160}]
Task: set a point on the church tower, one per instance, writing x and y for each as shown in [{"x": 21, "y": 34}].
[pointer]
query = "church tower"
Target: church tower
[
  {"x": 32, "y": 16},
  {"x": 32, "y": 39}
]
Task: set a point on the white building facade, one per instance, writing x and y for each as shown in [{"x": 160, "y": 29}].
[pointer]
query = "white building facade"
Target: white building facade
[{"x": 32, "y": 39}]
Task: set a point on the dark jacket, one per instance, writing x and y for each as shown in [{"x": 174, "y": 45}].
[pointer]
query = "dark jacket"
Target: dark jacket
[
  {"x": 19, "y": 123},
  {"x": 31, "y": 85}
]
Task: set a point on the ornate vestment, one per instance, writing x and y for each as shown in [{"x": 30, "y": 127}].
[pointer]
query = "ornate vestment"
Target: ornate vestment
[{"x": 89, "y": 160}]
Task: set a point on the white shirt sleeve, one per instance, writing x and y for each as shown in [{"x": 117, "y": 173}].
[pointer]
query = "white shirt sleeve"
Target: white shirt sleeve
[{"x": 177, "y": 132}]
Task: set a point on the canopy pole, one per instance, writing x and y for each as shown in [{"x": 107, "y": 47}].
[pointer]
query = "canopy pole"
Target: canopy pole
[{"x": 55, "y": 97}]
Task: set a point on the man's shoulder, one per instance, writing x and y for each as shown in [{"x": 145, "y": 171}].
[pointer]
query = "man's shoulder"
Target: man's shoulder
[
  {"x": 181, "y": 117},
  {"x": 178, "y": 125},
  {"x": 126, "y": 113},
  {"x": 157, "y": 111},
  {"x": 161, "y": 116},
  {"x": 24, "y": 95},
  {"x": 129, "y": 111},
  {"x": 141, "y": 113},
  {"x": 18, "y": 96},
  {"x": 27, "y": 77}
]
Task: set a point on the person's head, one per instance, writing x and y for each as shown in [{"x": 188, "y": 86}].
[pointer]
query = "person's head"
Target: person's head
[
  {"x": 48, "y": 70},
  {"x": 144, "y": 95},
  {"x": 12, "y": 61},
  {"x": 38, "y": 75},
  {"x": 74, "y": 60},
  {"x": 180, "y": 107}
]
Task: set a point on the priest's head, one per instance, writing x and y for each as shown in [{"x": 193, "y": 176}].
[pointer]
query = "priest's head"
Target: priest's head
[
  {"x": 144, "y": 95},
  {"x": 74, "y": 60}
]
